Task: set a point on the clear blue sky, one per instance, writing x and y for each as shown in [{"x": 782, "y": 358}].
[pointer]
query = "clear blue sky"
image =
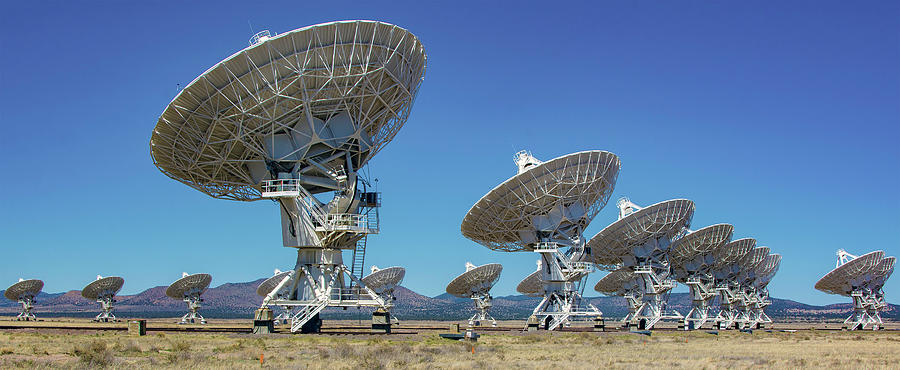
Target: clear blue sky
[{"x": 780, "y": 118}]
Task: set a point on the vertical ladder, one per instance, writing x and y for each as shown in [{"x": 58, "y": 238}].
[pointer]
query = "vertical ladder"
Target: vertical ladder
[{"x": 359, "y": 258}]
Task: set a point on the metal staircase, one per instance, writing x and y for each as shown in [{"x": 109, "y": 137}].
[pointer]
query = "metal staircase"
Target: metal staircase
[{"x": 303, "y": 316}]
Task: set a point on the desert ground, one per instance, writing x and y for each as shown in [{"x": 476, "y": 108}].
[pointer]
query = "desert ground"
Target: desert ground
[{"x": 72, "y": 343}]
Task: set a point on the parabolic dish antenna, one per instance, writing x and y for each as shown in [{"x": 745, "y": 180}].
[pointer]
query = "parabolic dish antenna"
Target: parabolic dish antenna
[
  {"x": 843, "y": 280},
  {"x": 383, "y": 281},
  {"x": 544, "y": 208},
  {"x": 640, "y": 240},
  {"x": 725, "y": 269},
  {"x": 103, "y": 290},
  {"x": 691, "y": 258},
  {"x": 565, "y": 192},
  {"x": 727, "y": 256},
  {"x": 269, "y": 284},
  {"x": 693, "y": 253},
  {"x": 748, "y": 264},
  {"x": 188, "y": 289},
  {"x": 476, "y": 283},
  {"x": 340, "y": 88},
  {"x": 851, "y": 278},
  {"x": 613, "y": 284},
  {"x": 531, "y": 285},
  {"x": 293, "y": 116},
  {"x": 627, "y": 236},
  {"x": 24, "y": 292}
]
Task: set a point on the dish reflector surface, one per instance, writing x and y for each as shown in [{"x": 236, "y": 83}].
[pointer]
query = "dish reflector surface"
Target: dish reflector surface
[
  {"x": 844, "y": 279},
  {"x": 23, "y": 288},
  {"x": 693, "y": 253},
  {"x": 613, "y": 283},
  {"x": 181, "y": 286},
  {"x": 478, "y": 280},
  {"x": 882, "y": 272},
  {"x": 266, "y": 286},
  {"x": 310, "y": 93},
  {"x": 531, "y": 285},
  {"x": 569, "y": 189},
  {"x": 663, "y": 219},
  {"x": 384, "y": 279},
  {"x": 109, "y": 284}
]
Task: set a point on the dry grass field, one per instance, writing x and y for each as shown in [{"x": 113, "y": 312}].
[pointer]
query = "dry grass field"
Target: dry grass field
[{"x": 58, "y": 348}]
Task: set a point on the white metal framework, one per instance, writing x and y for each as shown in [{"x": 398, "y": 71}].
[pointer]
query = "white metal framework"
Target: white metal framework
[
  {"x": 743, "y": 288},
  {"x": 725, "y": 269},
  {"x": 544, "y": 209},
  {"x": 476, "y": 284},
  {"x": 188, "y": 289},
  {"x": 622, "y": 283},
  {"x": 862, "y": 279},
  {"x": 293, "y": 118},
  {"x": 640, "y": 240},
  {"x": 103, "y": 290},
  {"x": 24, "y": 292},
  {"x": 691, "y": 258},
  {"x": 383, "y": 282}
]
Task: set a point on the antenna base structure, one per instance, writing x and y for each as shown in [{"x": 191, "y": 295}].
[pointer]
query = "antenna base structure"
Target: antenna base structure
[
  {"x": 483, "y": 305},
  {"x": 193, "y": 316},
  {"x": 106, "y": 309},
  {"x": 701, "y": 296},
  {"x": 320, "y": 280},
  {"x": 562, "y": 276},
  {"x": 27, "y": 304}
]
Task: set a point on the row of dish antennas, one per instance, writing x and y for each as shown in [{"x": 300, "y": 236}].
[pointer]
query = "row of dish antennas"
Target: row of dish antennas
[
  {"x": 651, "y": 249},
  {"x": 103, "y": 290}
]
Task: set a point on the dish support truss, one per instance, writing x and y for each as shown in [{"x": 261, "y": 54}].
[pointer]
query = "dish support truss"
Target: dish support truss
[
  {"x": 194, "y": 302},
  {"x": 106, "y": 302},
  {"x": 27, "y": 302},
  {"x": 320, "y": 279},
  {"x": 728, "y": 300},
  {"x": 867, "y": 306},
  {"x": 749, "y": 311},
  {"x": 563, "y": 278},
  {"x": 701, "y": 297},
  {"x": 482, "y": 306}
]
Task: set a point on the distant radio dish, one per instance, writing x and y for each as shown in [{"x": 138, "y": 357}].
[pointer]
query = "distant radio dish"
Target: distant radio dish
[
  {"x": 188, "y": 289},
  {"x": 24, "y": 292},
  {"x": 103, "y": 290},
  {"x": 476, "y": 284}
]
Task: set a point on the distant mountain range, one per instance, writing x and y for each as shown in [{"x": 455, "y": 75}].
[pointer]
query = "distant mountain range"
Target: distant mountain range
[{"x": 239, "y": 300}]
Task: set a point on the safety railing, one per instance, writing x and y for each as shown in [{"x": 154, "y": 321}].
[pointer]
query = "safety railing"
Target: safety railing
[
  {"x": 280, "y": 188},
  {"x": 546, "y": 247}
]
